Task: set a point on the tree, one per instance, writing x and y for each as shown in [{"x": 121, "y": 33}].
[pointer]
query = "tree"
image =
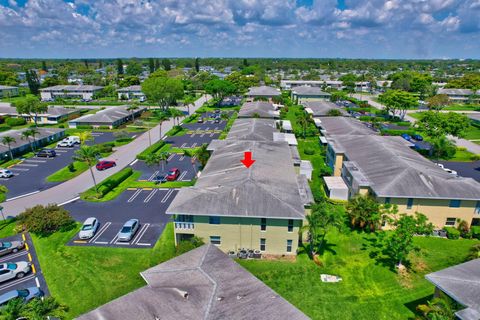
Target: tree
[
  {"x": 436, "y": 124},
  {"x": 364, "y": 211},
  {"x": 398, "y": 101},
  {"x": 166, "y": 64},
  {"x": 45, "y": 220},
  {"x": 88, "y": 155},
  {"x": 220, "y": 88},
  {"x": 30, "y": 105},
  {"x": 25, "y": 135},
  {"x": 129, "y": 81},
  {"x": 438, "y": 102},
  {"x": 151, "y": 65},
  {"x": 474, "y": 252},
  {"x": 154, "y": 159},
  {"x": 7, "y": 140},
  {"x": 162, "y": 89},
  {"x": 3, "y": 192},
  {"x": 132, "y": 109},
  {"x": 33, "y": 82},
  {"x": 398, "y": 244},
  {"x": 176, "y": 114},
  {"x": 13, "y": 310},
  {"x": 44, "y": 66},
  {"x": 438, "y": 308},
  {"x": 443, "y": 148},
  {"x": 245, "y": 62},
  {"x": 45, "y": 308},
  {"x": 188, "y": 101},
  {"x": 197, "y": 64},
  {"x": 161, "y": 118},
  {"x": 157, "y": 64},
  {"x": 202, "y": 154},
  {"x": 119, "y": 66},
  {"x": 133, "y": 68},
  {"x": 334, "y": 113},
  {"x": 304, "y": 121},
  {"x": 85, "y": 136},
  {"x": 193, "y": 159},
  {"x": 34, "y": 132}
]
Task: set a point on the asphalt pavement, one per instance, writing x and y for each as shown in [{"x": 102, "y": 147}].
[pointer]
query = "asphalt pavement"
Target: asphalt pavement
[
  {"x": 181, "y": 162},
  {"x": 464, "y": 169}
]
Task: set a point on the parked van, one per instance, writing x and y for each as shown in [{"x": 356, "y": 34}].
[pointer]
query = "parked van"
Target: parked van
[{"x": 74, "y": 139}]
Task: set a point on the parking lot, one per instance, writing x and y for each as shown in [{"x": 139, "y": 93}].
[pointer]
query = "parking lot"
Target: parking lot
[
  {"x": 34, "y": 278},
  {"x": 464, "y": 169},
  {"x": 198, "y": 134},
  {"x": 181, "y": 162},
  {"x": 147, "y": 205}
]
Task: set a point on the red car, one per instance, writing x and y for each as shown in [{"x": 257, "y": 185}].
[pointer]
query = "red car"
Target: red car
[
  {"x": 105, "y": 164},
  {"x": 172, "y": 174}
]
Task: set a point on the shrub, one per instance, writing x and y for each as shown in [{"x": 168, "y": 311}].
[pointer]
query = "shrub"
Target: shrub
[
  {"x": 106, "y": 147},
  {"x": 150, "y": 150},
  {"x": 13, "y": 122},
  {"x": 452, "y": 233},
  {"x": 110, "y": 183},
  {"x": 387, "y": 132},
  {"x": 309, "y": 151},
  {"x": 84, "y": 127},
  {"x": 4, "y": 127},
  {"x": 61, "y": 126},
  {"x": 45, "y": 220},
  {"x": 71, "y": 167},
  {"x": 187, "y": 245},
  {"x": 475, "y": 232},
  {"x": 475, "y": 157},
  {"x": 104, "y": 128}
]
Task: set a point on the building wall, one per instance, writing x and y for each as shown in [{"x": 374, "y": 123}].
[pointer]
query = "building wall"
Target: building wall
[
  {"x": 437, "y": 210},
  {"x": 237, "y": 233}
]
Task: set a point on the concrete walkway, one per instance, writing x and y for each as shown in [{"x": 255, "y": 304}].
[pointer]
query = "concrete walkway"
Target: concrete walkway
[{"x": 71, "y": 189}]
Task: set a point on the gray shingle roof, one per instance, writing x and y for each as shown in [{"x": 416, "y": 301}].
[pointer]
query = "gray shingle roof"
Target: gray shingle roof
[
  {"x": 217, "y": 288},
  {"x": 135, "y": 88},
  {"x": 53, "y": 111},
  {"x": 17, "y": 135},
  {"x": 7, "y": 87},
  {"x": 258, "y": 108},
  {"x": 107, "y": 116},
  {"x": 393, "y": 169},
  {"x": 252, "y": 129},
  {"x": 321, "y": 108},
  {"x": 268, "y": 188},
  {"x": 461, "y": 283},
  {"x": 463, "y": 92},
  {"x": 263, "y": 91},
  {"x": 67, "y": 88},
  {"x": 345, "y": 126},
  {"x": 309, "y": 91}
]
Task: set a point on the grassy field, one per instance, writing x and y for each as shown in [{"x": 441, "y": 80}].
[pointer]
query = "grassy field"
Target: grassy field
[
  {"x": 462, "y": 155},
  {"x": 84, "y": 278},
  {"x": 369, "y": 290},
  {"x": 472, "y": 133},
  {"x": 65, "y": 174},
  {"x": 7, "y": 228},
  {"x": 462, "y": 107}
]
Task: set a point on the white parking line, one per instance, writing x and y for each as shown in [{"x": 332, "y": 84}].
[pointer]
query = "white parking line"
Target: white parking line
[
  {"x": 150, "y": 196},
  {"x": 100, "y": 232},
  {"x": 181, "y": 158},
  {"x": 61, "y": 150},
  {"x": 216, "y": 128},
  {"x": 37, "y": 282},
  {"x": 115, "y": 239},
  {"x": 23, "y": 195},
  {"x": 15, "y": 282},
  {"x": 134, "y": 136},
  {"x": 206, "y": 129},
  {"x": 133, "y": 162},
  {"x": 26, "y": 165},
  {"x": 134, "y": 195},
  {"x": 35, "y": 161},
  {"x": 194, "y": 145},
  {"x": 140, "y": 234},
  {"x": 193, "y": 135},
  {"x": 171, "y": 157},
  {"x": 18, "y": 169},
  {"x": 68, "y": 201},
  {"x": 15, "y": 255},
  {"x": 211, "y": 135},
  {"x": 184, "y": 173},
  {"x": 122, "y": 243},
  {"x": 143, "y": 244},
  {"x": 101, "y": 242},
  {"x": 202, "y": 135},
  {"x": 155, "y": 174},
  {"x": 165, "y": 198},
  {"x": 183, "y": 145}
]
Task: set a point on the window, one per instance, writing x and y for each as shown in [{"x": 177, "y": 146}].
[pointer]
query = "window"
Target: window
[
  {"x": 451, "y": 222},
  {"x": 455, "y": 203},
  {"x": 216, "y": 240},
  {"x": 263, "y": 224},
  {"x": 289, "y": 245},
  {"x": 409, "y": 203},
  {"x": 477, "y": 208},
  {"x": 214, "y": 220},
  {"x": 290, "y": 225},
  {"x": 263, "y": 244},
  {"x": 387, "y": 200}
]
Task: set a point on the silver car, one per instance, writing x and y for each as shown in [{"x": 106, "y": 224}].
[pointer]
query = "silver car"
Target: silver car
[
  {"x": 7, "y": 247},
  {"x": 25, "y": 294},
  {"x": 12, "y": 270},
  {"x": 128, "y": 230},
  {"x": 89, "y": 228}
]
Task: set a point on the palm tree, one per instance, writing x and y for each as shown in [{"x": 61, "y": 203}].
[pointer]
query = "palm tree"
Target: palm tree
[
  {"x": 304, "y": 121},
  {"x": 152, "y": 160},
  {"x": 437, "y": 308},
  {"x": 34, "y": 133},
  {"x": 85, "y": 136},
  {"x": 163, "y": 159},
  {"x": 191, "y": 155},
  {"x": 202, "y": 154},
  {"x": 176, "y": 114},
  {"x": 7, "y": 140},
  {"x": 88, "y": 155},
  {"x": 161, "y": 118},
  {"x": 132, "y": 109},
  {"x": 25, "y": 135},
  {"x": 224, "y": 116},
  {"x": 363, "y": 211},
  {"x": 189, "y": 100},
  {"x": 13, "y": 310}
]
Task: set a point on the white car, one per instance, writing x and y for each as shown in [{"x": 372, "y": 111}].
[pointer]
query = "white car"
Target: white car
[
  {"x": 89, "y": 228},
  {"x": 5, "y": 173},
  {"x": 74, "y": 139},
  {"x": 65, "y": 143},
  {"x": 14, "y": 270}
]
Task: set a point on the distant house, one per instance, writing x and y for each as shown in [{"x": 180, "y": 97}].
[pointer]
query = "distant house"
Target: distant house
[
  {"x": 460, "y": 95},
  {"x": 201, "y": 284},
  {"x": 462, "y": 284},
  {"x": 258, "y": 109},
  {"x": 8, "y": 92},
  {"x": 44, "y": 137},
  {"x": 130, "y": 93},
  {"x": 321, "y": 108},
  {"x": 307, "y": 93},
  {"x": 53, "y": 115},
  {"x": 363, "y": 86},
  {"x": 110, "y": 117},
  {"x": 263, "y": 92},
  {"x": 84, "y": 92},
  {"x": 332, "y": 84}
]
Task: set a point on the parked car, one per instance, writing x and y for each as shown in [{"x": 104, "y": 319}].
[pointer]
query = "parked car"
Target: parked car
[
  {"x": 217, "y": 110},
  {"x": 406, "y": 136},
  {"x": 128, "y": 230},
  {"x": 26, "y": 295},
  {"x": 89, "y": 228},
  {"x": 7, "y": 247},
  {"x": 5, "y": 173},
  {"x": 173, "y": 174},
  {"x": 417, "y": 137},
  {"x": 14, "y": 270},
  {"x": 65, "y": 143},
  {"x": 200, "y": 120},
  {"x": 217, "y": 120},
  {"x": 47, "y": 153},
  {"x": 105, "y": 164}
]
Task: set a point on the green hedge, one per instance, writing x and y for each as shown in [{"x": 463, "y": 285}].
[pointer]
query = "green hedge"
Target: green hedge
[
  {"x": 475, "y": 232},
  {"x": 13, "y": 122},
  {"x": 452, "y": 233},
  {"x": 390, "y": 132},
  {"x": 84, "y": 127},
  {"x": 107, "y": 185},
  {"x": 4, "y": 127},
  {"x": 150, "y": 150}
]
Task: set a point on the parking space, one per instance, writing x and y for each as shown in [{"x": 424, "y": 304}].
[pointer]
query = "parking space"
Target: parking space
[
  {"x": 193, "y": 140},
  {"x": 147, "y": 205},
  {"x": 464, "y": 169},
  {"x": 32, "y": 279},
  {"x": 102, "y": 137},
  {"x": 181, "y": 162}
]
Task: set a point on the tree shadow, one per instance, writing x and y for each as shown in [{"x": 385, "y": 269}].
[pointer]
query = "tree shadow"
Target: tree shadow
[{"x": 327, "y": 247}]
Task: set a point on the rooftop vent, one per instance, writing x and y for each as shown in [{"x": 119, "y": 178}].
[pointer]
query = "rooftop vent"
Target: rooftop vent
[
  {"x": 183, "y": 294},
  {"x": 220, "y": 298},
  {"x": 239, "y": 296}
]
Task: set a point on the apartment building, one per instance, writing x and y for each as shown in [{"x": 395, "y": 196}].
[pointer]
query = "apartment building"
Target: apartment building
[
  {"x": 131, "y": 93},
  {"x": 8, "y": 92},
  {"x": 460, "y": 95},
  {"x": 263, "y": 92},
  {"x": 53, "y": 114},
  {"x": 84, "y": 92},
  {"x": 306, "y": 93}
]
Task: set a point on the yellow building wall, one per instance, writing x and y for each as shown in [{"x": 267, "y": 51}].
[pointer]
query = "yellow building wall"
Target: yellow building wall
[
  {"x": 437, "y": 210},
  {"x": 237, "y": 233},
  {"x": 338, "y": 165}
]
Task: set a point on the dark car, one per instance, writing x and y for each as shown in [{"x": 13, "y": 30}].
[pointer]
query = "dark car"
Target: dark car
[
  {"x": 200, "y": 120},
  {"x": 105, "y": 164},
  {"x": 7, "y": 247},
  {"x": 406, "y": 136},
  {"x": 172, "y": 174},
  {"x": 417, "y": 137},
  {"x": 217, "y": 120},
  {"x": 47, "y": 153},
  {"x": 217, "y": 110}
]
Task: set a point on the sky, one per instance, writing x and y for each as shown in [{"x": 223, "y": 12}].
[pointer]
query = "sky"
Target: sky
[{"x": 404, "y": 29}]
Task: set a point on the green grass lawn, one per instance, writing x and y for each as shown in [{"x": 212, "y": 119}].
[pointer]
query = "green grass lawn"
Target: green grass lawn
[
  {"x": 462, "y": 155},
  {"x": 318, "y": 163},
  {"x": 65, "y": 174},
  {"x": 86, "y": 277},
  {"x": 462, "y": 107},
  {"x": 7, "y": 228},
  {"x": 369, "y": 290},
  {"x": 473, "y": 133}
]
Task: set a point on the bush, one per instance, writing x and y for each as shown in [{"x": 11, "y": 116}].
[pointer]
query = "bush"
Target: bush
[
  {"x": 387, "y": 132},
  {"x": 187, "y": 245},
  {"x": 84, "y": 127},
  {"x": 106, "y": 147},
  {"x": 150, "y": 150},
  {"x": 13, "y": 122},
  {"x": 475, "y": 230},
  {"x": 4, "y": 127},
  {"x": 61, "y": 126},
  {"x": 475, "y": 157},
  {"x": 45, "y": 220},
  {"x": 309, "y": 151},
  {"x": 110, "y": 183},
  {"x": 104, "y": 128},
  {"x": 452, "y": 233},
  {"x": 71, "y": 167}
]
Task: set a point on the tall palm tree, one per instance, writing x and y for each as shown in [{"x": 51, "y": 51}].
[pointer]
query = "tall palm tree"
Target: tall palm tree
[
  {"x": 3, "y": 193},
  {"x": 34, "y": 132},
  {"x": 7, "y": 140},
  {"x": 161, "y": 118},
  {"x": 26, "y": 135},
  {"x": 191, "y": 155},
  {"x": 202, "y": 154},
  {"x": 152, "y": 160},
  {"x": 132, "y": 109},
  {"x": 224, "y": 116},
  {"x": 88, "y": 155},
  {"x": 188, "y": 101},
  {"x": 176, "y": 114},
  {"x": 303, "y": 121},
  {"x": 163, "y": 158}
]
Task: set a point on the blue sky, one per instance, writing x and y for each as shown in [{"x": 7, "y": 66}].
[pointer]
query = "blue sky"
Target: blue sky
[{"x": 240, "y": 28}]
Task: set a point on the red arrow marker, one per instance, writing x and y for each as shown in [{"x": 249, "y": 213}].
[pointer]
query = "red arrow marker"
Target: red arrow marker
[{"x": 247, "y": 161}]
